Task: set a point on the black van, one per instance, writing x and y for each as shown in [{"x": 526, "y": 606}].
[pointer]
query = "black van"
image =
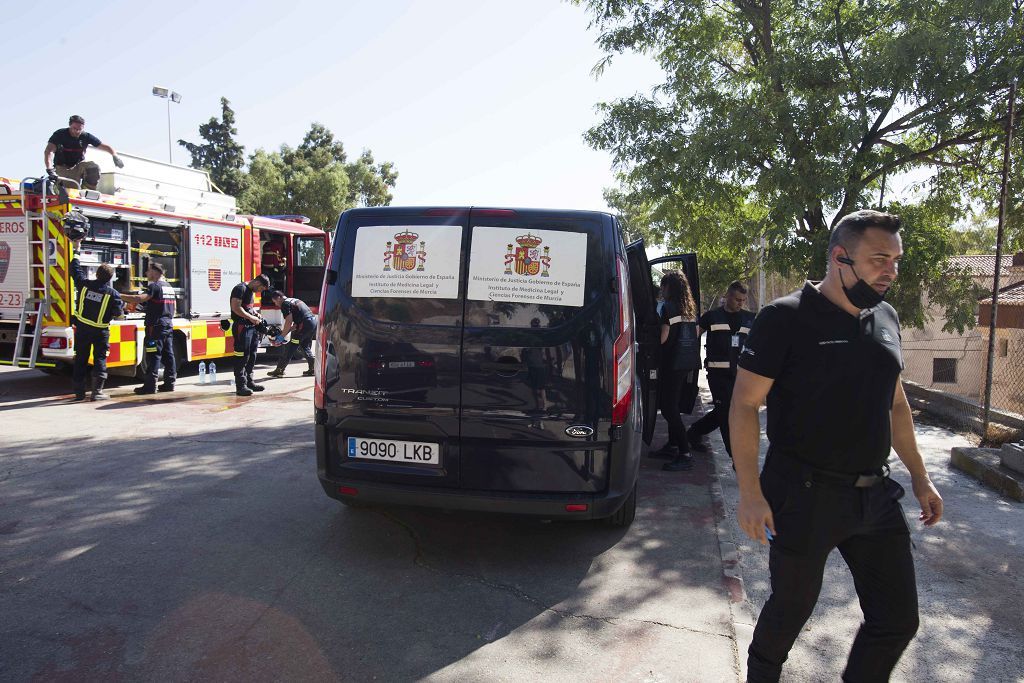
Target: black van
[{"x": 485, "y": 359}]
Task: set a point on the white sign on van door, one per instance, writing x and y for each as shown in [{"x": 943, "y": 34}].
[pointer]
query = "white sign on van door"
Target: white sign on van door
[
  {"x": 534, "y": 267},
  {"x": 413, "y": 262},
  {"x": 14, "y": 270},
  {"x": 215, "y": 266}
]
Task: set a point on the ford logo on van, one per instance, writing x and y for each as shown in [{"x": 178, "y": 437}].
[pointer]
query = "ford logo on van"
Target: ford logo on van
[{"x": 579, "y": 431}]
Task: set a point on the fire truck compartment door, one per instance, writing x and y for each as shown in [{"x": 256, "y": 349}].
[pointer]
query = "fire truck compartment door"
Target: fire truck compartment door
[
  {"x": 14, "y": 268},
  {"x": 215, "y": 266}
]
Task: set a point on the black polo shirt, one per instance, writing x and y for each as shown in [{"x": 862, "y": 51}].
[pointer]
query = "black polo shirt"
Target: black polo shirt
[
  {"x": 242, "y": 291},
  {"x": 835, "y": 376},
  {"x": 71, "y": 150},
  {"x": 161, "y": 302}
]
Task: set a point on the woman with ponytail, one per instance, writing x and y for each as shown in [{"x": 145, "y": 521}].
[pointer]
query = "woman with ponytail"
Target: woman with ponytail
[{"x": 680, "y": 356}]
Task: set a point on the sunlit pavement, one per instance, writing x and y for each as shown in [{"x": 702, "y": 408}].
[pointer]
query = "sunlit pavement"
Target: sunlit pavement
[{"x": 185, "y": 536}]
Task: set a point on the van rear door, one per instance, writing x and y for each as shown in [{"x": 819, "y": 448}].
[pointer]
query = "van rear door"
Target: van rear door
[
  {"x": 648, "y": 333},
  {"x": 536, "y": 362},
  {"x": 394, "y": 345}
]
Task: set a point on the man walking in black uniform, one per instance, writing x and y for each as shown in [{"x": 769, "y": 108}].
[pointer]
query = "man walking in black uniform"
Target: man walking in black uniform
[
  {"x": 245, "y": 335},
  {"x": 97, "y": 304},
  {"x": 159, "y": 345},
  {"x": 727, "y": 327},
  {"x": 828, "y": 361},
  {"x": 64, "y": 156},
  {"x": 301, "y": 322}
]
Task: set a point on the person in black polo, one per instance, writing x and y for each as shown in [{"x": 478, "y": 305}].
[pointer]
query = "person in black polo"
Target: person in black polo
[
  {"x": 64, "y": 156},
  {"x": 828, "y": 361},
  {"x": 96, "y": 304},
  {"x": 160, "y": 301},
  {"x": 244, "y": 333},
  {"x": 727, "y": 327},
  {"x": 301, "y": 322}
]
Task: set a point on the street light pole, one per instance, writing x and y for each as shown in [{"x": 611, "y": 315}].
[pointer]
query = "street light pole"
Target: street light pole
[{"x": 170, "y": 96}]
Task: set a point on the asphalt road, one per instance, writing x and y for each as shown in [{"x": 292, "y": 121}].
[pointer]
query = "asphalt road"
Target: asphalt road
[{"x": 185, "y": 537}]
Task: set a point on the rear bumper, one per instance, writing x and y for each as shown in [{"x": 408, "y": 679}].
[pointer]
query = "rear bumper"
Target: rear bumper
[
  {"x": 548, "y": 506},
  {"x": 544, "y": 505}
]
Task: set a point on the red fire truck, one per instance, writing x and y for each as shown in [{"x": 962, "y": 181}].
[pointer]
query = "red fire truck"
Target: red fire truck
[{"x": 147, "y": 211}]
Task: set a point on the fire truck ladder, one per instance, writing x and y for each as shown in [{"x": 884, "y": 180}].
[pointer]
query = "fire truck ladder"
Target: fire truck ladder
[{"x": 37, "y": 305}]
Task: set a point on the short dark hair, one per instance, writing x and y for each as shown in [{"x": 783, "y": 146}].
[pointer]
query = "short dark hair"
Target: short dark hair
[
  {"x": 850, "y": 228},
  {"x": 274, "y": 293},
  {"x": 263, "y": 280},
  {"x": 105, "y": 273},
  {"x": 736, "y": 286},
  {"x": 75, "y": 118},
  {"x": 157, "y": 267}
]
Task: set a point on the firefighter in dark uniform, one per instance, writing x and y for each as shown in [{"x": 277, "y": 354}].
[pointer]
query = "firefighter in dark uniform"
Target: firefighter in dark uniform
[
  {"x": 827, "y": 359},
  {"x": 244, "y": 333},
  {"x": 301, "y": 322},
  {"x": 97, "y": 304},
  {"x": 727, "y": 327},
  {"x": 160, "y": 301}
]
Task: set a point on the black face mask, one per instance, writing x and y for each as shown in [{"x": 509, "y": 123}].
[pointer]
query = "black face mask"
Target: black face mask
[{"x": 861, "y": 295}]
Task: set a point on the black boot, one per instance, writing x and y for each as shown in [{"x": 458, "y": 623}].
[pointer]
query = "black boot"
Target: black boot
[
  {"x": 696, "y": 442},
  {"x": 308, "y": 373},
  {"x": 97, "y": 390},
  {"x": 252, "y": 386},
  {"x": 79, "y": 392},
  {"x": 276, "y": 372},
  {"x": 240, "y": 388}
]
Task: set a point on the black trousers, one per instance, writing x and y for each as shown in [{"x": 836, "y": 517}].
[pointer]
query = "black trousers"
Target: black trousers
[
  {"x": 90, "y": 339},
  {"x": 670, "y": 389},
  {"x": 721, "y": 383},
  {"x": 159, "y": 350},
  {"x": 302, "y": 340},
  {"x": 868, "y": 527},
  {"x": 247, "y": 342}
]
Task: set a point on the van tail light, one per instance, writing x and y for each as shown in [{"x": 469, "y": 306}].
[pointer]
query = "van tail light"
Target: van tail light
[
  {"x": 53, "y": 342},
  {"x": 623, "y": 349}
]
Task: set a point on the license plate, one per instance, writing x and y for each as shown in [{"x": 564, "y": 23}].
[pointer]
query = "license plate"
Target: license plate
[
  {"x": 405, "y": 452},
  {"x": 401, "y": 364}
]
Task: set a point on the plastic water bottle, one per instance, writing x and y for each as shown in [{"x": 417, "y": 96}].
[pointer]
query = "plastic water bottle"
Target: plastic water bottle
[
  {"x": 213, "y": 373},
  {"x": 202, "y": 372}
]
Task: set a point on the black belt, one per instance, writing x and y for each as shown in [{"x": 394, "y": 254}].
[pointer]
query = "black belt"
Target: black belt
[{"x": 789, "y": 464}]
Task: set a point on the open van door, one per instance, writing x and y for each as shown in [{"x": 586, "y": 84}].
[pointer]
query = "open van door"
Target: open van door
[{"x": 648, "y": 333}]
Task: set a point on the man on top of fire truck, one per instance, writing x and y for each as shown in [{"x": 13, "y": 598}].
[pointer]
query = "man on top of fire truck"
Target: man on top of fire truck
[{"x": 64, "y": 155}]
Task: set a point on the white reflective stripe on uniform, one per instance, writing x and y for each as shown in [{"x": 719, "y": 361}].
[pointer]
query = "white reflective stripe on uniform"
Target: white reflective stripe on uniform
[
  {"x": 676, "y": 320},
  {"x": 719, "y": 365},
  {"x": 743, "y": 330},
  {"x": 720, "y": 327}
]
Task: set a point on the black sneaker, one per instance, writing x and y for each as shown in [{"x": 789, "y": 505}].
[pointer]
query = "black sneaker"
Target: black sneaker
[
  {"x": 276, "y": 373},
  {"x": 243, "y": 391},
  {"x": 307, "y": 373},
  {"x": 143, "y": 390},
  {"x": 255, "y": 387},
  {"x": 681, "y": 464},
  {"x": 166, "y": 387}
]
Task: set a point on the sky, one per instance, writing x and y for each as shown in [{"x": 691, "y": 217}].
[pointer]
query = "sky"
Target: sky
[{"x": 480, "y": 102}]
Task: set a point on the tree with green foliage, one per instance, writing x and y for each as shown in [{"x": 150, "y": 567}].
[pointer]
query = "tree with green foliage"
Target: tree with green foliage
[
  {"x": 315, "y": 179},
  {"x": 778, "y": 117},
  {"x": 221, "y": 155}
]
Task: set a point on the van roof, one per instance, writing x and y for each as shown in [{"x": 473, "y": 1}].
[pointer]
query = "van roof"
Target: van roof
[{"x": 384, "y": 210}]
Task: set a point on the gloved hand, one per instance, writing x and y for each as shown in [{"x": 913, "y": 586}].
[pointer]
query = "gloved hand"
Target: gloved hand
[
  {"x": 279, "y": 339},
  {"x": 118, "y": 162},
  {"x": 52, "y": 174}
]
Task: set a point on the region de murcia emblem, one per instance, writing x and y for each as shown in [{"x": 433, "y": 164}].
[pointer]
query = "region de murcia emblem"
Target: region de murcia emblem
[
  {"x": 213, "y": 274},
  {"x": 403, "y": 255},
  {"x": 527, "y": 258}
]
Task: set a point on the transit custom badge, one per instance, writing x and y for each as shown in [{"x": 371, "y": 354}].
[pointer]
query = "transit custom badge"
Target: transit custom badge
[
  {"x": 403, "y": 255},
  {"x": 213, "y": 276}
]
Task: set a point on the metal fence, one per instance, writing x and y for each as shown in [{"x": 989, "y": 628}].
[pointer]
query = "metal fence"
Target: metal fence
[{"x": 946, "y": 376}]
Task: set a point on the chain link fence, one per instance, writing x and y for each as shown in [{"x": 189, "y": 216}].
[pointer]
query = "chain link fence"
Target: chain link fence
[{"x": 946, "y": 376}]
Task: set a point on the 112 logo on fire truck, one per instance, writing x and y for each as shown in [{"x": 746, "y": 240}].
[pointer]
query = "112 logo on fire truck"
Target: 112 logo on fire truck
[
  {"x": 216, "y": 241},
  {"x": 403, "y": 254},
  {"x": 527, "y": 259}
]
